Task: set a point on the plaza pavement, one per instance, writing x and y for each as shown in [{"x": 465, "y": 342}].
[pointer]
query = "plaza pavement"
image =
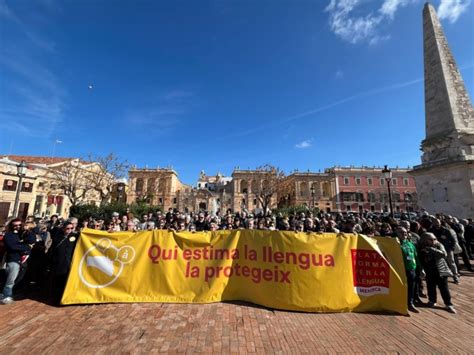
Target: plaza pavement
[{"x": 30, "y": 326}]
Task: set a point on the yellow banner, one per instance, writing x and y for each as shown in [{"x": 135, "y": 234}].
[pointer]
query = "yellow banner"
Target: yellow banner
[{"x": 283, "y": 270}]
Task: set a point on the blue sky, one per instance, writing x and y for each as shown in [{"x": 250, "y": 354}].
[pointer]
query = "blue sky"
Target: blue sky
[{"x": 302, "y": 84}]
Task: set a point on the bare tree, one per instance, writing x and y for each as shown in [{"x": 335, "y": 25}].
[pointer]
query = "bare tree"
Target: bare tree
[
  {"x": 103, "y": 173},
  {"x": 69, "y": 178},
  {"x": 274, "y": 185}
]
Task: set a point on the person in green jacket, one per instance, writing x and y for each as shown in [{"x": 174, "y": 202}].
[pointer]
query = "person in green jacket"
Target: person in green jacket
[{"x": 412, "y": 264}]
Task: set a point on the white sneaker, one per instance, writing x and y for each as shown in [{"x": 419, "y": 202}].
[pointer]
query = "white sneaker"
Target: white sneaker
[
  {"x": 8, "y": 300},
  {"x": 451, "y": 309}
]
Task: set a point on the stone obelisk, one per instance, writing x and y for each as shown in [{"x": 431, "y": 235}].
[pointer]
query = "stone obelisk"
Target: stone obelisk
[{"x": 445, "y": 179}]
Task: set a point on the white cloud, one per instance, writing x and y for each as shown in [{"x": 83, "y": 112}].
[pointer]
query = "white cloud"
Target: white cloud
[
  {"x": 351, "y": 28},
  {"x": 452, "y": 9},
  {"x": 390, "y": 7},
  {"x": 304, "y": 144},
  {"x": 361, "y": 27}
]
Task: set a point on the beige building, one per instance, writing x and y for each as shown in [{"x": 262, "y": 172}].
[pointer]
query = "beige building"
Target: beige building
[
  {"x": 246, "y": 185},
  {"x": 315, "y": 190},
  {"x": 41, "y": 193},
  {"x": 160, "y": 187}
]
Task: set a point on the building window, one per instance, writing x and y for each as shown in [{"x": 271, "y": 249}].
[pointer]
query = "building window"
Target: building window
[
  {"x": 394, "y": 181},
  {"x": 10, "y": 185},
  {"x": 382, "y": 181},
  {"x": 139, "y": 185},
  {"x": 348, "y": 208},
  {"x": 369, "y": 181},
  {"x": 255, "y": 202},
  {"x": 357, "y": 181},
  {"x": 27, "y": 187},
  {"x": 405, "y": 181},
  {"x": 346, "y": 181},
  {"x": 244, "y": 187},
  {"x": 303, "y": 189},
  {"x": 371, "y": 197},
  {"x": 150, "y": 185},
  {"x": 174, "y": 200},
  {"x": 160, "y": 200}
]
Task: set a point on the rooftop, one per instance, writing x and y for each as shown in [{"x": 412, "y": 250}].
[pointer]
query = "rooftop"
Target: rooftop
[{"x": 36, "y": 159}]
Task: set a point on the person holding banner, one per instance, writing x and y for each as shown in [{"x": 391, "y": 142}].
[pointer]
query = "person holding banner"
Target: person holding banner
[{"x": 63, "y": 246}]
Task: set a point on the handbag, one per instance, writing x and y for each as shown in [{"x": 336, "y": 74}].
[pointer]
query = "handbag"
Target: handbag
[{"x": 457, "y": 248}]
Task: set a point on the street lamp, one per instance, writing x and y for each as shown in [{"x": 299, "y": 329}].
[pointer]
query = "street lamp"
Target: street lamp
[
  {"x": 407, "y": 201},
  {"x": 312, "y": 194},
  {"x": 388, "y": 178},
  {"x": 21, "y": 171}
]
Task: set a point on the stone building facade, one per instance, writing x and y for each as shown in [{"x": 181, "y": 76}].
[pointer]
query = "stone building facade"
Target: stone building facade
[
  {"x": 160, "y": 187},
  {"x": 445, "y": 179},
  {"x": 246, "y": 185},
  {"x": 315, "y": 190}
]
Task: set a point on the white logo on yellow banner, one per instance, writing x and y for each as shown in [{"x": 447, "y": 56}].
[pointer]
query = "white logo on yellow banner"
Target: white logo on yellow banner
[{"x": 102, "y": 264}]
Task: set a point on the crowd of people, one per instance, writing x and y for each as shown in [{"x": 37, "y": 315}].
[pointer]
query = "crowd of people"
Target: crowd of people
[{"x": 37, "y": 253}]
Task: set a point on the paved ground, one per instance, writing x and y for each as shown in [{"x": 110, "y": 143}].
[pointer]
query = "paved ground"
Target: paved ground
[{"x": 30, "y": 326}]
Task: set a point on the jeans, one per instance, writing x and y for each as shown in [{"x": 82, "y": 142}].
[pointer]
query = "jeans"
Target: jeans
[
  {"x": 433, "y": 280},
  {"x": 13, "y": 270},
  {"x": 411, "y": 283}
]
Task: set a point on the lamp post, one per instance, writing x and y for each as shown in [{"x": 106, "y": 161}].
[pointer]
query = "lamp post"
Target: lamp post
[
  {"x": 388, "y": 178},
  {"x": 21, "y": 171},
  {"x": 407, "y": 201},
  {"x": 312, "y": 195}
]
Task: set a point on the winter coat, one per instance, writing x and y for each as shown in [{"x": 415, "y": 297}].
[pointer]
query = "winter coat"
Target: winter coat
[
  {"x": 63, "y": 250},
  {"x": 445, "y": 237},
  {"x": 434, "y": 261},
  {"x": 15, "y": 247}
]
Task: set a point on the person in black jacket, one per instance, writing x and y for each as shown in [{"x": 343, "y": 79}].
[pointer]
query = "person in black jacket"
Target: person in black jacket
[
  {"x": 16, "y": 252},
  {"x": 63, "y": 246}
]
